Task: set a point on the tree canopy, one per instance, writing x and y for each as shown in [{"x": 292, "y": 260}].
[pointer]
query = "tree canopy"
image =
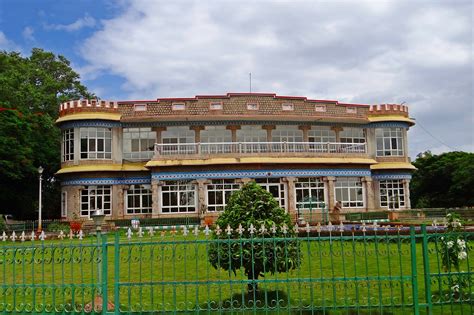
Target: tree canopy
[
  {"x": 253, "y": 206},
  {"x": 31, "y": 89},
  {"x": 445, "y": 180}
]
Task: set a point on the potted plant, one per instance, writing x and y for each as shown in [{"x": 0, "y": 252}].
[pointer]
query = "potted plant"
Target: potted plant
[{"x": 75, "y": 223}]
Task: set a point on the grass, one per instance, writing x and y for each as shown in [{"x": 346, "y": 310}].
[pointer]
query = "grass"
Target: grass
[{"x": 172, "y": 272}]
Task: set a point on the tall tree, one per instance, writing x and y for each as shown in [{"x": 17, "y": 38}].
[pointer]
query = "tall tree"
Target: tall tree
[
  {"x": 445, "y": 180},
  {"x": 31, "y": 89}
]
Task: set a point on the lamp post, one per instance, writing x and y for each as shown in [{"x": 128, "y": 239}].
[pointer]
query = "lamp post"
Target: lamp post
[{"x": 40, "y": 172}]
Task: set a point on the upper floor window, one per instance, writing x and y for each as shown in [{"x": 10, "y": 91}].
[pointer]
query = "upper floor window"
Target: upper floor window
[
  {"x": 177, "y": 135},
  {"x": 321, "y": 134},
  {"x": 351, "y": 110},
  {"x": 251, "y": 134},
  {"x": 389, "y": 141},
  {"x": 287, "y": 106},
  {"x": 178, "y": 106},
  {"x": 140, "y": 107},
  {"x": 252, "y": 106},
  {"x": 287, "y": 134},
  {"x": 352, "y": 135},
  {"x": 138, "y": 143},
  {"x": 213, "y": 134},
  {"x": 320, "y": 108},
  {"x": 215, "y": 105},
  {"x": 67, "y": 147},
  {"x": 96, "y": 143}
]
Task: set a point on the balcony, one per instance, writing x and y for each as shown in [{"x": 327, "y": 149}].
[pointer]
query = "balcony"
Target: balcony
[{"x": 239, "y": 149}]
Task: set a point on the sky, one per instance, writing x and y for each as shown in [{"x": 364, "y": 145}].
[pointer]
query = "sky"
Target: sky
[{"x": 419, "y": 53}]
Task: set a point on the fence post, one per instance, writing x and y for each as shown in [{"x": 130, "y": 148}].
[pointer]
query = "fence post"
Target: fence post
[
  {"x": 414, "y": 272},
  {"x": 426, "y": 270},
  {"x": 104, "y": 274},
  {"x": 117, "y": 273}
]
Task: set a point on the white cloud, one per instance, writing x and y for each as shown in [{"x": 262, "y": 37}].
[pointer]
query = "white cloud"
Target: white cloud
[
  {"x": 6, "y": 44},
  {"x": 365, "y": 52},
  {"x": 86, "y": 21},
  {"x": 28, "y": 33}
]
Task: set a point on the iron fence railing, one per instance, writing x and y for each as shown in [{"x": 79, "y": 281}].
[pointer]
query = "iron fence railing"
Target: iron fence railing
[
  {"x": 146, "y": 271},
  {"x": 164, "y": 149}
]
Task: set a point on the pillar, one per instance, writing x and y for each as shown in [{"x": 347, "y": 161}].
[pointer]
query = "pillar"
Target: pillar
[
  {"x": 269, "y": 129},
  {"x": 158, "y": 131},
  {"x": 329, "y": 184},
  {"x": 155, "y": 191},
  {"x": 118, "y": 201},
  {"x": 406, "y": 187},
  {"x": 369, "y": 193},
  {"x": 233, "y": 129},
  {"x": 197, "y": 132},
  {"x": 291, "y": 199},
  {"x": 77, "y": 145},
  {"x": 337, "y": 130},
  {"x": 305, "y": 129},
  {"x": 202, "y": 205}
]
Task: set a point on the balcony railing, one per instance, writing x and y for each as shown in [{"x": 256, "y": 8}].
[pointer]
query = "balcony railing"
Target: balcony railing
[{"x": 244, "y": 148}]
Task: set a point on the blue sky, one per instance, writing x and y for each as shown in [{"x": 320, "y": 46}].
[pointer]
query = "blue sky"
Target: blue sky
[{"x": 416, "y": 52}]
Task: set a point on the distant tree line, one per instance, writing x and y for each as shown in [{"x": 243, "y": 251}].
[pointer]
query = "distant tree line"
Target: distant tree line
[
  {"x": 31, "y": 89},
  {"x": 443, "y": 181}
]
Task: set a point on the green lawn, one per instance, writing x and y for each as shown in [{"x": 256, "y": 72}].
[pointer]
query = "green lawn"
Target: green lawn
[{"x": 173, "y": 273}]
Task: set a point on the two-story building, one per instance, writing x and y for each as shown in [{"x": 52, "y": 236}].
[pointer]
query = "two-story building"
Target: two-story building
[{"x": 175, "y": 157}]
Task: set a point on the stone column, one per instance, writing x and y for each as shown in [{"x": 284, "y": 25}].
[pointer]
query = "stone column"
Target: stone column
[
  {"x": 158, "y": 131},
  {"x": 369, "y": 193},
  {"x": 233, "y": 129},
  {"x": 118, "y": 201},
  {"x": 269, "y": 129},
  {"x": 329, "y": 184},
  {"x": 202, "y": 205},
  {"x": 197, "y": 132},
  {"x": 406, "y": 187},
  {"x": 291, "y": 199},
  {"x": 337, "y": 130},
  {"x": 155, "y": 191},
  {"x": 405, "y": 145},
  {"x": 305, "y": 129},
  {"x": 370, "y": 142}
]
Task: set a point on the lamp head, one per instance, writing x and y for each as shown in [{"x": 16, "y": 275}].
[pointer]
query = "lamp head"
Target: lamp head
[
  {"x": 40, "y": 170},
  {"x": 98, "y": 217}
]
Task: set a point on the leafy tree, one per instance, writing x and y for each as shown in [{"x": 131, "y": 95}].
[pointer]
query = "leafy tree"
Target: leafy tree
[
  {"x": 445, "y": 180},
  {"x": 259, "y": 252},
  {"x": 31, "y": 89}
]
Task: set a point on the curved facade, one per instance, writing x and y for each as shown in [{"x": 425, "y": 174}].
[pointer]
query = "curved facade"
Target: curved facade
[{"x": 185, "y": 156}]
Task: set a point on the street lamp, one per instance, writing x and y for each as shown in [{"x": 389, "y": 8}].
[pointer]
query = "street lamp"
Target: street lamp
[{"x": 40, "y": 172}]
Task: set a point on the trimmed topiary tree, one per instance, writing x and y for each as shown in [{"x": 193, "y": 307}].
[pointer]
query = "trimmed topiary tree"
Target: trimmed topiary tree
[{"x": 261, "y": 237}]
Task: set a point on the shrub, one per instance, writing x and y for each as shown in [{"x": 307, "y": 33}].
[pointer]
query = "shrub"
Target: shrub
[
  {"x": 254, "y": 206},
  {"x": 57, "y": 227}
]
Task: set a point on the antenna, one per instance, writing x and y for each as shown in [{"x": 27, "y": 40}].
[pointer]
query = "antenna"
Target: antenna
[{"x": 250, "y": 79}]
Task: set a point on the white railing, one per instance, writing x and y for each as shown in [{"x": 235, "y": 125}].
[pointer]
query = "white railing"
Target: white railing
[{"x": 257, "y": 147}]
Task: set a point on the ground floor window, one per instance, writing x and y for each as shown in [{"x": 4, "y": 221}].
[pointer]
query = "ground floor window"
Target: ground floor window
[
  {"x": 96, "y": 198},
  {"x": 138, "y": 199},
  {"x": 309, "y": 193},
  {"x": 64, "y": 204},
  {"x": 219, "y": 192},
  {"x": 275, "y": 187},
  {"x": 349, "y": 192},
  {"x": 392, "y": 194},
  {"x": 178, "y": 196}
]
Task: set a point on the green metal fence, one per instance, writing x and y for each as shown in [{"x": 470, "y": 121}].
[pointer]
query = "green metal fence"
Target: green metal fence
[{"x": 341, "y": 270}]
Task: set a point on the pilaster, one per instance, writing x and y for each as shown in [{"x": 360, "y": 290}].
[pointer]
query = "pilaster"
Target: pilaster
[
  {"x": 337, "y": 130},
  {"x": 233, "y": 129},
  {"x": 197, "y": 132},
  {"x": 269, "y": 129},
  {"x": 305, "y": 129},
  {"x": 118, "y": 201},
  {"x": 155, "y": 192},
  {"x": 117, "y": 145},
  {"x": 369, "y": 193},
  {"x": 406, "y": 187},
  {"x": 291, "y": 201},
  {"x": 158, "y": 131},
  {"x": 202, "y": 205},
  {"x": 329, "y": 183}
]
